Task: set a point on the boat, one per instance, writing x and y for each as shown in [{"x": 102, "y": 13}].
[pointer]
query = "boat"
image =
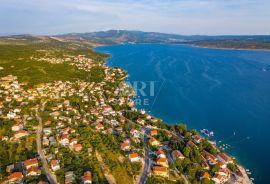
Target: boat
[{"x": 207, "y": 132}]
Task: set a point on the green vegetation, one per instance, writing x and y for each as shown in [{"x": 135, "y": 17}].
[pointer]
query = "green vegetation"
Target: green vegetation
[{"x": 15, "y": 58}]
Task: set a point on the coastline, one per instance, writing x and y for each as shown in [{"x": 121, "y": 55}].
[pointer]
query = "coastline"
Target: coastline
[
  {"x": 224, "y": 48},
  {"x": 245, "y": 179}
]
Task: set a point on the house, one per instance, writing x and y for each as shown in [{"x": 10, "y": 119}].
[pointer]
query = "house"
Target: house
[
  {"x": 204, "y": 175},
  {"x": 160, "y": 171},
  {"x": 191, "y": 144},
  {"x": 99, "y": 126},
  {"x": 154, "y": 142},
  {"x": 10, "y": 168},
  {"x": 46, "y": 142},
  {"x": 16, "y": 177},
  {"x": 47, "y": 131},
  {"x": 221, "y": 164},
  {"x": 31, "y": 163},
  {"x": 21, "y": 133},
  {"x": 160, "y": 154},
  {"x": 133, "y": 157},
  {"x": 224, "y": 158},
  {"x": 135, "y": 133},
  {"x": 197, "y": 139},
  {"x": 140, "y": 121},
  {"x": 119, "y": 129},
  {"x": 11, "y": 115},
  {"x": 77, "y": 147},
  {"x": 176, "y": 154},
  {"x": 17, "y": 127},
  {"x": 34, "y": 171},
  {"x": 211, "y": 159},
  {"x": 218, "y": 178},
  {"x": 64, "y": 140},
  {"x": 87, "y": 178},
  {"x": 125, "y": 146},
  {"x": 52, "y": 140},
  {"x": 69, "y": 177},
  {"x": 154, "y": 132},
  {"x": 162, "y": 162},
  {"x": 73, "y": 141},
  {"x": 55, "y": 165}
]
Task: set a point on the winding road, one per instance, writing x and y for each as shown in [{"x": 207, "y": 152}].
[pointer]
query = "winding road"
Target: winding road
[{"x": 50, "y": 176}]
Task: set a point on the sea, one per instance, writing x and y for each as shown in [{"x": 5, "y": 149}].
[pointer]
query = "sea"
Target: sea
[{"x": 221, "y": 90}]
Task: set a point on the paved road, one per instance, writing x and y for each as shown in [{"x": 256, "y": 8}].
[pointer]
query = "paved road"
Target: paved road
[
  {"x": 51, "y": 177},
  {"x": 146, "y": 160}
]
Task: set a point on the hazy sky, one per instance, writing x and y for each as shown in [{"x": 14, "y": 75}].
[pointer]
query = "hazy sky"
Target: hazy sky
[{"x": 212, "y": 17}]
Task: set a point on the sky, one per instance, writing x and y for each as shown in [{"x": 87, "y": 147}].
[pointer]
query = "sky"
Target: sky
[{"x": 188, "y": 17}]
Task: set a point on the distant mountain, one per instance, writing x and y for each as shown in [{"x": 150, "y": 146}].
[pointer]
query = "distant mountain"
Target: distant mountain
[{"x": 124, "y": 36}]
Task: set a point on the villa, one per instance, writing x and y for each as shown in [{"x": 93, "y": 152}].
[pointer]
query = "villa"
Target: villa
[{"x": 133, "y": 157}]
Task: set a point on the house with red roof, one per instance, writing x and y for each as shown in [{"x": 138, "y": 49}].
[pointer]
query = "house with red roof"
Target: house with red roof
[
  {"x": 87, "y": 178},
  {"x": 31, "y": 163},
  {"x": 224, "y": 158},
  {"x": 21, "y": 133},
  {"x": 154, "y": 142},
  {"x": 205, "y": 175},
  {"x": 16, "y": 177},
  {"x": 17, "y": 127},
  {"x": 160, "y": 154},
  {"x": 160, "y": 171},
  {"x": 176, "y": 154},
  {"x": 64, "y": 140},
  {"x": 154, "y": 132},
  {"x": 162, "y": 162},
  {"x": 77, "y": 147},
  {"x": 55, "y": 165},
  {"x": 134, "y": 157},
  {"x": 34, "y": 171},
  {"x": 125, "y": 146},
  {"x": 99, "y": 126}
]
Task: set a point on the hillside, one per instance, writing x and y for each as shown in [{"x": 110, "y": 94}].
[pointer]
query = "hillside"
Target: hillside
[{"x": 124, "y": 36}]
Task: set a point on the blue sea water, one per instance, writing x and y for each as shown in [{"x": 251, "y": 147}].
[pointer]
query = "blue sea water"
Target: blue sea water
[{"x": 227, "y": 91}]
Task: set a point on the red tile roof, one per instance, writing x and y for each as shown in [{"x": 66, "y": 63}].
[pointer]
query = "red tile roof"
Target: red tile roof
[{"x": 15, "y": 176}]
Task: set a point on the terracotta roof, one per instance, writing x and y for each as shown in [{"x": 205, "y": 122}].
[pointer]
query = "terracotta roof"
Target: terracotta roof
[
  {"x": 205, "y": 175},
  {"x": 225, "y": 157},
  {"x": 31, "y": 162},
  {"x": 34, "y": 169},
  {"x": 154, "y": 132},
  {"x": 133, "y": 155},
  {"x": 64, "y": 137},
  {"x": 54, "y": 162},
  {"x": 87, "y": 176},
  {"x": 124, "y": 145},
  {"x": 177, "y": 154},
  {"x": 159, "y": 169},
  {"x": 161, "y": 160},
  {"x": 15, "y": 176},
  {"x": 21, "y": 132},
  {"x": 77, "y": 147}
]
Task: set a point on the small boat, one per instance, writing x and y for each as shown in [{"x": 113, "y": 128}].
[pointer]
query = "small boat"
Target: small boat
[{"x": 207, "y": 132}]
